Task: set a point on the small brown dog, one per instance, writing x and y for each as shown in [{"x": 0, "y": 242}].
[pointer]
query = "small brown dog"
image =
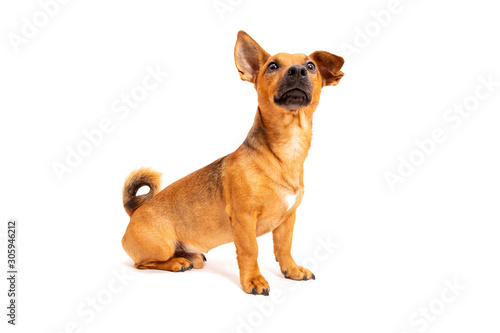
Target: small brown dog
[{"x": 243, "y": 195}]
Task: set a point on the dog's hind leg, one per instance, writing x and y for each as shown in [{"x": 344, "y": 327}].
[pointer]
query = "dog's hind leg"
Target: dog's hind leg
[
  {"x": 174, "y": 264},
  {"x": 153, "y": 248}
]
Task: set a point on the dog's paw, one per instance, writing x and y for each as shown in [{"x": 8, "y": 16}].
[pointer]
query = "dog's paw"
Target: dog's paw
[
  {"x": 179, "y": 264},
  {"x": 298, "y": 273},
  {"x": 198, "y": 260},
  {"x": 256, "y": 285}
]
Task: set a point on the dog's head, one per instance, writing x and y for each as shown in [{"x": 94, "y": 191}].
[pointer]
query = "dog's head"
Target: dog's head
[{"x": 287, "y": 81}]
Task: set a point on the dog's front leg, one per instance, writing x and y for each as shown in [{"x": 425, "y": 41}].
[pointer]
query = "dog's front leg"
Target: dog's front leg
[
  {"x": 282, "y": 239},
  {"x": 245, "y": 239}
]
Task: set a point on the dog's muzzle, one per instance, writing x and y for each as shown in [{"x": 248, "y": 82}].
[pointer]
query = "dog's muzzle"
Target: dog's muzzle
[{"x": 294, "y": 89}]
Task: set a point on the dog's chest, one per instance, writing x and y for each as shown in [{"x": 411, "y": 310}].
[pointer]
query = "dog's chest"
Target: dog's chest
[
  {"x": 290, "y": 200},
  {"x": 275, "y": 214}
]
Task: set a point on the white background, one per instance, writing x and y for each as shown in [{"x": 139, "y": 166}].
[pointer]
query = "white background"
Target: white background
[{"x": 397, "y": 248}]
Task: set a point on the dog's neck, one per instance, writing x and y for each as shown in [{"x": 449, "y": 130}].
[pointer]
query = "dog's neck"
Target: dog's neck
[{"x": 286, "y": 136}]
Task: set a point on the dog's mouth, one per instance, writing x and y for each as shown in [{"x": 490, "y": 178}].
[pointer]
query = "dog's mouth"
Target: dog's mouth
[{"x": 293, "y": 99}]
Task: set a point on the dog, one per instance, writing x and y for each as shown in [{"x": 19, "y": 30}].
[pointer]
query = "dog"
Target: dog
[{"x": 248, "y": 193}]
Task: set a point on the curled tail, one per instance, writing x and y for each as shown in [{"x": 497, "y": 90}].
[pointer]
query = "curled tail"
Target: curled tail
[{"x": 137, "y": 179}]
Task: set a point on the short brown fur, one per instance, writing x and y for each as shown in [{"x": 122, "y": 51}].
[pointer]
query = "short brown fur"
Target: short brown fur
[{"x": 244, "y": 194}]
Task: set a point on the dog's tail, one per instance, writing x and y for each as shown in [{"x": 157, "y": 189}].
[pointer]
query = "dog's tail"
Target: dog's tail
[{"x": 137, "y": 179}]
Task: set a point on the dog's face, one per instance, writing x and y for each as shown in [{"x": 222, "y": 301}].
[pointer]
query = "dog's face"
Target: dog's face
[{"x": 286, "y": 82}]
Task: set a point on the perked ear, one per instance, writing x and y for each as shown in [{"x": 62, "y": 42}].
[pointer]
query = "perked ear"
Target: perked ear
[
  {"x": 329, "y": 66},
  {"x": 249, "y": 57}
]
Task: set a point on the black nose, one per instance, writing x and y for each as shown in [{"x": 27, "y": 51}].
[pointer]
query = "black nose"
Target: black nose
[{"x": 297, "y": 72}]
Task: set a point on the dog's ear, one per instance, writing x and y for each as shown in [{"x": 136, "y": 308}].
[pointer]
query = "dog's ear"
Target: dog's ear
[
  {"x": 249, "y": 57},
  {"x": 329, "y": 66}
]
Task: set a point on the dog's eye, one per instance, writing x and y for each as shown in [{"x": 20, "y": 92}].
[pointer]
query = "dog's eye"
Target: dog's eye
[
  {"x": 272, "y": 67},
  {"x": 310, "y": 66}
]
